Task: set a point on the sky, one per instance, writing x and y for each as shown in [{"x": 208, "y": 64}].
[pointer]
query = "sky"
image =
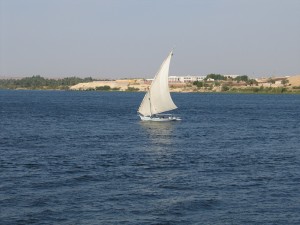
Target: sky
[{"x": 130, "y": 38}]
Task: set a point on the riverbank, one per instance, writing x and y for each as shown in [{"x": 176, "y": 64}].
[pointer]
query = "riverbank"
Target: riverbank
[
  {"x": 285, "y": 85},
  {"x": 266, "y": 86}
]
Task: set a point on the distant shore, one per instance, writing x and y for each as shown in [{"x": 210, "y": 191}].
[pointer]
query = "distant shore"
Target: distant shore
[
  {"x": 268, "y": 86},
  {"x": 285, "y": 85}
]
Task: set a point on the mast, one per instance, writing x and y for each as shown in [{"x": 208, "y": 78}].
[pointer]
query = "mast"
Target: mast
[{"x": 150, "y": 103}]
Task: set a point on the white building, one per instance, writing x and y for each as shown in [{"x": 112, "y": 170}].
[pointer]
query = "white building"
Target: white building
[
  {"x": 181, "y": 79},
  {"x": 185, "y": 79}
]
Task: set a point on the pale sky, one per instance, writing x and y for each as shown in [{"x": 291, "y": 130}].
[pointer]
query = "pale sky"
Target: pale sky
[{"x": 130, "y": 38}]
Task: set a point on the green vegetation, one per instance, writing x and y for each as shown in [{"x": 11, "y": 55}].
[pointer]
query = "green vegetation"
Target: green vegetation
[
  {"x": 106, "y": 88},
  {"x": 103, "y": 88},
  {"x": 262, "y": 90},
  {"x": 225, "y": 88},
  {"x": 285, "y": 82},
  {"x": 217, "y": 84},
  {"x": 41, "y": 83},
  {"x": 241, "y": 78},
  {"x": 132, "y": 89},
  {"x": 245, "y": 78},
  {"x": 271, "y": 81},
  {"x": 215, "y": 77},
  {"x": 252, "y": 82},
  {"x": 199, "y": 84}
]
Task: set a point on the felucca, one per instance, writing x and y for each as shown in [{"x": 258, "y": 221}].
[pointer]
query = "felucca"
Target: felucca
[{"x": 158, "y": 99}]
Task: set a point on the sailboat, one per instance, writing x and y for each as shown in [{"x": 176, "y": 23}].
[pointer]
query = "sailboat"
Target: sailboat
[{"x": 158, "y": 99}]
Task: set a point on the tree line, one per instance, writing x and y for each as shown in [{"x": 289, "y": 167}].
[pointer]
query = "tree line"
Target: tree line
[{"x": 38, "y": 82}]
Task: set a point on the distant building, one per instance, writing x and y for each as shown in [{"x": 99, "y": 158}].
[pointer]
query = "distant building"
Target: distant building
[
  {"x": 185, "y": 79},
  {"x": 174, "y": 79},
  {"x": 180, "y": 79}
]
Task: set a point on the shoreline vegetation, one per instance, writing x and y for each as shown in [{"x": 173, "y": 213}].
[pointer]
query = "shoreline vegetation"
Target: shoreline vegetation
[
  {"x": 213, "y": 83},
  {"x": 41, "y": 83}
]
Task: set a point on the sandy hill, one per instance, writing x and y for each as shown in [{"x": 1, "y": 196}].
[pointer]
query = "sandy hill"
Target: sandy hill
[
  {"x": 294, "y": 80},
  {"x": 122, "y": 84}
]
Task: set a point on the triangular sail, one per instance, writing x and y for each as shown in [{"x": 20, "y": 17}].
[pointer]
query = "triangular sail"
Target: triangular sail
[{"x": 158, "y": 98}]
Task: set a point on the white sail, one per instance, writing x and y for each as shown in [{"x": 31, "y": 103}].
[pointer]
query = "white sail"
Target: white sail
[{"x": 158, "y": 98}]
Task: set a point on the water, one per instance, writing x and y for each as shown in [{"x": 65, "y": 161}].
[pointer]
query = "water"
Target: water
[{"x": 85, "y": 158}]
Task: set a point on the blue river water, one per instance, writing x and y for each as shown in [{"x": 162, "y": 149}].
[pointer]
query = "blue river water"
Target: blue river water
[{"x": 86, "y": 158}]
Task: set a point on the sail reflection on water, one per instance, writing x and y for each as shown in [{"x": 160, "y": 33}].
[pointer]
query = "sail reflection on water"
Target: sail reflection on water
[{"x": 159, "y": 133}]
